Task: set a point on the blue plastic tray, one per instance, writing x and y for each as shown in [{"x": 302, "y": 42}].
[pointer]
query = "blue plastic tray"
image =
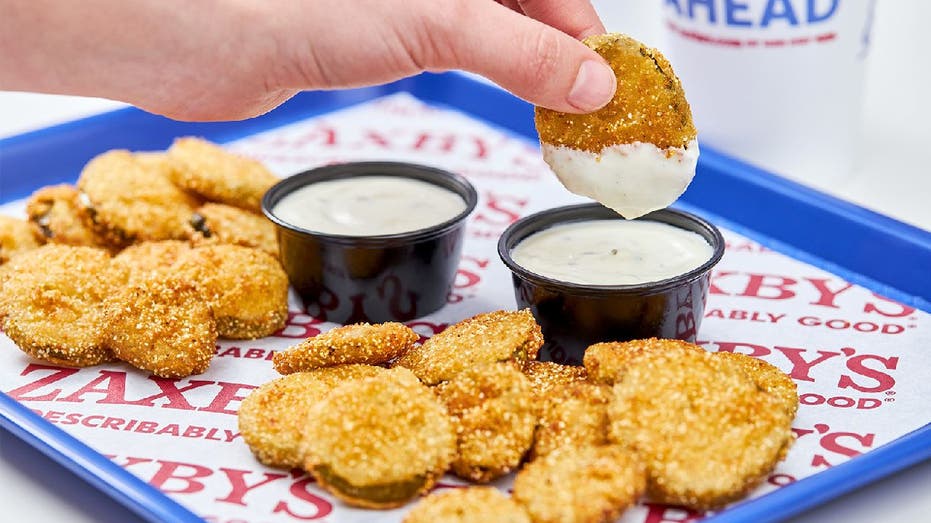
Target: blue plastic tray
[{"x": 866, "y": 248}]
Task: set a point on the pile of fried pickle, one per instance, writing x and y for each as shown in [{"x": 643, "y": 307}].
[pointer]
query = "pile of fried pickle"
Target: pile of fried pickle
[
  {"x": 153, "y": 256},
  {"x": 378, "y": 418},
  {"x": 148, "y": 259}
]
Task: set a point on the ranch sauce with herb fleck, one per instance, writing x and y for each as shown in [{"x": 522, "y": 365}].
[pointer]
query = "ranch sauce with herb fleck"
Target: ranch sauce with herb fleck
[
  {"x": 369, "y": 206},
  {"x": 612, "y": 252}
]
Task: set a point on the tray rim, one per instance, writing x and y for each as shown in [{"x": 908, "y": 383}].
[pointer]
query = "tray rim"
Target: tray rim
[{"x": 491, "y": 105}]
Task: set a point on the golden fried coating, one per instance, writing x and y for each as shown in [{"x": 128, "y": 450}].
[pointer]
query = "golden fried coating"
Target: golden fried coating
[
  {"x": 649, "y": 105},
  {"x": 605, "y": 362},
  {"x": 162, "y": 325},
  {"x": 219, "y": 223},
  {"x": 485, "y": 338},
  {"x": 246, "y": 288},
  {"x": 588, "y": 485},
  {"x": 357, "y": 343},
  {"x": 218, "y": 175},
  {"x": 379, "y": 442},
  {"x": 4, "y": 270},
  {"x": 58, "y": 215},
  {"x": 492, "y": 405},
  {"x": 16, "y": 236},
  {"x": 52, "y": 303},
  {"x": 130, "y": 198},
  {"x": 144, "y": 258},
  {"x": 573, "y": 415},
  {"x": 767, "y": 377},
  {"x": 546, "y": 375},
  {"x": 273, "y": 416},
  {"x": 467, "y": 505},
  {"x": 705, "y": 431}
]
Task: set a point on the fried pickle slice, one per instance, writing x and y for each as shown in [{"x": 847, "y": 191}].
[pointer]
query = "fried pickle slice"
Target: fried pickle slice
[
  {"x": 141, "y": 259},
  {"x": 706, "y": 432},
  {"x": 648, "y": 106},
  {"x": 162, "y": 325},
  {"x": 218, "y": 175},
  {"x": 587, "y": 485},
  {"x": 485, "y": 338},
  {"x": 52, "y": 303},
  {"x": 767, "y": 377},
  {"x": 492, "y": 405},
  {"x": 639, "y": 152},
  {"x": 220, "y": 223},
  {"x": 273, "y": 416},
  {"x": 246, "y": 288},
  {"x": 467, "y": 505},
  {"x": 574, "y": 415},
  {"x": 605, "y": 362},
  {"x": 379, "y": 442},
  {"x": 358, "y": 343},
  {"x": 129, "y": 197},
  {"x": 58, "y": 216},
  {"x": 16, "y": 236},
  {"x": 546, "y": 375}
]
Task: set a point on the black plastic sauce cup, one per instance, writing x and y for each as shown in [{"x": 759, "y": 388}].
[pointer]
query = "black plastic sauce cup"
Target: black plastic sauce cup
[
  {"x": 574, "y": 315},
  {"x": 392, "y": 277}
]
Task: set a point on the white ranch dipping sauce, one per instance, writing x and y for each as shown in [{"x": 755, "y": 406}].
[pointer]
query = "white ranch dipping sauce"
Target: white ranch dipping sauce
[
  {"x": 612, "y": 252},
  {"x": 631, "y": 178},
  {"x": 369, "y": 205}
]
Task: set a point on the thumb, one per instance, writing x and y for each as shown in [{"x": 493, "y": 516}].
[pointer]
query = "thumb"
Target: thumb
[{"x": 532, "y": 60}]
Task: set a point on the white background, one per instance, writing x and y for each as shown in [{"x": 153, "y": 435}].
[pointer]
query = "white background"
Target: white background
[{"x": 892, "y": 177}]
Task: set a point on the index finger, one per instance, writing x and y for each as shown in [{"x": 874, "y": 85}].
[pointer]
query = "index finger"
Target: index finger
[{"x": 574, "y": 17}]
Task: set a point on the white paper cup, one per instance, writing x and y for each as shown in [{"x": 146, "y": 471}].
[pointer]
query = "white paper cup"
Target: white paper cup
[{"x": 775, "y": 82}]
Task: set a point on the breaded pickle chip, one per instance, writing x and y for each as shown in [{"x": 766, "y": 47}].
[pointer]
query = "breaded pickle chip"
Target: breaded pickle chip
[
  {"x": 59, "y": 217},
  {"x": 546, "y": 375},
  {"x": 273, "y": 416},
  {"x": 704, "y": 429},
  {"x": 768, "y": 377},
  {"x": 162, "y": 325},
  {"x": 606, "y": 362},
  {"x": 246, "y": 288},
  {"x": 52, "y": 303},
  {"x": 492, "y": 405},
  {"x": 379, "y": 442},
  {"x": 573, "y": 415},
  {"x": 218, "y": 175},
  {"x": 220, "y": 223},
  {"x": 649, "y": 104},
  {"x": 485, "y": 338},
  {"x": 144, "y": 258},
  {"x": 16, "y": 236},
  {"x": 467, "y": 505},
  {"x": 588, "y": 485},
  {"x": 358, "y": 343},
  {"x": 130, "y": 198}
]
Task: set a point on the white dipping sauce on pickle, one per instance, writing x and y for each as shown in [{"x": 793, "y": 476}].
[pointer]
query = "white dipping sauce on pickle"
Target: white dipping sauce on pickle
[
  {"x": 612, "y": 252},
  {"x": 369, "y": 205},
  {"x": 633, "y": 179}
]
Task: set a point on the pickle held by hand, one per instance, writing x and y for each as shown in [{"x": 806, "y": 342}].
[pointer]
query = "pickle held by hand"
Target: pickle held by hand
[{"x": 638, "y": 153}]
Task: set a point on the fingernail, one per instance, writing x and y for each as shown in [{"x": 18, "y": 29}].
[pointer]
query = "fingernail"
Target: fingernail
[{"x": 593, "y": 87}]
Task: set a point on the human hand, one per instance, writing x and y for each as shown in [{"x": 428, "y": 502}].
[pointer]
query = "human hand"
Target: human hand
[{"x": 223, "y": 59}]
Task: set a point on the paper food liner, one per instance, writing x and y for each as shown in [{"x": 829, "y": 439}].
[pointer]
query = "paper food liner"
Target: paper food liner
[{"x": 858, "y": 358}]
